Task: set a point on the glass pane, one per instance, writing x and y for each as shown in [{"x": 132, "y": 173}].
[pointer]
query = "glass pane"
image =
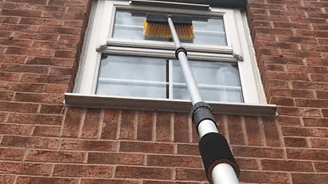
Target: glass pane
[
  {"x": 222, "y": 95},
  {"x": 131, "y": 89},
  {"x": 207, "y": 30},
  {"x": 136, "y": 68},
  {"x": 211, "y": 73}
]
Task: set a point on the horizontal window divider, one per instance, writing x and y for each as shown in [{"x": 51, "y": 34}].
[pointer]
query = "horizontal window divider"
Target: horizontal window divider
[
  {"x": 167, "y": 54},
  {"x": 168, "y": 46},
  {"x": 168, "y": 105},
  {"x": 208, "y": 86},
  {"x": 131, "y": 81}
]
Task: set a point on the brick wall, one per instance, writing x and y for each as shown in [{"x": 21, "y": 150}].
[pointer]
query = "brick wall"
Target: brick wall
[{"x": 44, "y": 142}]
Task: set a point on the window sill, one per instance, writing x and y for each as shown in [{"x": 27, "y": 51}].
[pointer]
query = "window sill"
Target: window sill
[{"x": 103, "y": 101}]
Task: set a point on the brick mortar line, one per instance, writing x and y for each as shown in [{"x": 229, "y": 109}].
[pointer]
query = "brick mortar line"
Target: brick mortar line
[
  {"x": 81, "y": 123},
  {"x": 63, "y": 123},
  {"x": 262, "y": 132},
  {"x": 153, "y": 135},
  {"x": 243, "y": 128},
  {"x": 135, "y": 124},
  {"x": 172, "y": 117},
  {"x": 14, "y": 179},
  {"x": 100, "y": 125}
]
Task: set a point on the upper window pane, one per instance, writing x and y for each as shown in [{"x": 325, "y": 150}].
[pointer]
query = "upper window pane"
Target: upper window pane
[{"x": 129, "y": 24}]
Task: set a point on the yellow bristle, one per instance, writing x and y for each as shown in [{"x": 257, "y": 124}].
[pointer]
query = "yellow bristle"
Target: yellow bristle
[{"x": 162, "y": 30}]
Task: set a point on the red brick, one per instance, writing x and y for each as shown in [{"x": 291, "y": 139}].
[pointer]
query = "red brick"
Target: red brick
[
  {"x": 309, "y": 178},
  {"x": 319, "y": 143},
  {"x": 31, "y": 1},
  {"x": 257, "y": 152},
  {"x": 247, "y": 164},
  {"x": 145, "y": 125},
  {"x": 146, "y": 147},
  {"x": 128, "y": 125},
  {"x": 25, "y": 168},
  {"x": 6, "y": 179},
  {"x": 51, "y": 109},
  {"x": 24, "y": 87},
  {"x": 324, "y": 112},
  {"x": 315, "y": 122},
  {"x": 37, "y": 97},
  {"x": 110, "y": 124},
  {"x": 143, "y": 173},
  {"x": 72, "y": 122},
  {"x": 295, "y": 142},
  {"x": 188, "y": 149},
  {"x": 15, "y": 129},
  {"x": 50, "y": 61},
  {"x": 7, "y": 76},
  {"x": 29, "y": 51},
  {"x": 86, "y": 145},
  {"x": 311, "y": 132},
  {"x": 163, "y": 127},
  {"x": 91, "y": 123},
  {"x": 190, "y": 174},
  {"x": 37, "y": 180},
  {"x": 12, "y": 59},
  {"x": 312, "y": 103},
  {"x": 289, "y": 120},
  {"x": 174, "y": 161},
  {"x": 38, "y": 21},
  {"x": 46, "y": 131},
  {"x": 292, "y": 93},
  {"x": 83, "y": 171},
  {"x": 181, "y": 127},
  {"x": 290, "y": 111},
  {"x": 59, "y": 30},
  {"x": 282, "y": 165},
  {"x": 310, "y": 112},
  {"x": 167, "y": 182},
  {"x": 321, "y": 166},
  {"x": 11, "y": 154},
  {"x": 61, "y": 71},
  {"x": 253, "y": 131},
  {"x": 271, "y": 132},
  {"x": 54, "y": 156},
  {"x": 116, "y": 158},
  {"x": 263, "y": 177},
  {"x": 3, "y": 116},
  {"x": 307, "y": 154},
  {"x": 6, "y": 96},
  {"x": 236, "y": 135},
  {"x": 35, "y": 36},
  {"x": 108, "y": 181},
  {"x": 19, "y": 118},
  {"x": 56, "y": 88},
  {"x": 319, "y": 77},
  {"x": 16, "y": 42},
  {"x": 282, "y": 101},
  {"x": 30, "y": 142},
  {"x": 56, "y": 79}
]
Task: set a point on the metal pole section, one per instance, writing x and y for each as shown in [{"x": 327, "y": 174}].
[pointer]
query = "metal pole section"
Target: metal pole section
[{"x": 222, "y": 173}]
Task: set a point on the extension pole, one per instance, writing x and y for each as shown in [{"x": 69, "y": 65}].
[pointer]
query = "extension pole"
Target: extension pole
[{"x": 220, "y": 165}]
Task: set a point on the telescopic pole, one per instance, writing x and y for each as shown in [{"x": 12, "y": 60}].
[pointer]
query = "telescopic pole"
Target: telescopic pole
[{"x": 220, "y": 165}]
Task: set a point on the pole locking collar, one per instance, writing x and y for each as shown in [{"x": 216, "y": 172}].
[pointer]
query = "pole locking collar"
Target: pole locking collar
[
  {"x": 178, "y": 50},
  {"x": 201, "y": 111}
]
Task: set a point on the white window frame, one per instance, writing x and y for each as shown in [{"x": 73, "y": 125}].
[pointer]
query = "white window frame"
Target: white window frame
[{"x": 97, "y": 41}]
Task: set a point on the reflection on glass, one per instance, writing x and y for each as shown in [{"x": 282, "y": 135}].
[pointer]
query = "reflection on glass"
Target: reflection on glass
[
  {"x": 222, "y": 95},
  {"x": 136, "y": 68},
  {"x": 207, "y": 30},
  {"x": 131, "y": 89},
  {"x": 211, "y": 73}
]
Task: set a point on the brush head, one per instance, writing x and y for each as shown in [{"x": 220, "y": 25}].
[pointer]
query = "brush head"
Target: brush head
[{"x": 156, "y": 26}]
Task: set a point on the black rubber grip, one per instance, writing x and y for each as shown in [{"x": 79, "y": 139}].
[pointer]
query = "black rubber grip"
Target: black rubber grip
[
  {"x": 201, "y": 111},
  {"x": 178, "y": 50},
  {"x": 214, "y": 150}
]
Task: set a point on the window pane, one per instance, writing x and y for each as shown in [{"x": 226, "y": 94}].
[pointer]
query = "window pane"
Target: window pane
[
  {"x": 131, "y": 89},
  {"x": 211, "y": 73},
  {"x": 136, "y": 68},
  {"x": 207, "y": 30},
  {"x": 132, "y": 76},
  {"x": 222, "y": 95}
]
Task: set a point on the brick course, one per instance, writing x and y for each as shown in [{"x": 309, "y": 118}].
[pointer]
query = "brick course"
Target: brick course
[{"x": 42, "y": 141}]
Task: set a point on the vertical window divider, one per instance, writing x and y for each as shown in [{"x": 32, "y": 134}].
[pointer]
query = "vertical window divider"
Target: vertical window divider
[{"x": 170, "y": 79}]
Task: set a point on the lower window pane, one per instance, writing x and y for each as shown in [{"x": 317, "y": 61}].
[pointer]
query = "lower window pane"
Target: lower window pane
[
  {"x": 222, "y": 95},
  {"x": 132, "y": 89}
]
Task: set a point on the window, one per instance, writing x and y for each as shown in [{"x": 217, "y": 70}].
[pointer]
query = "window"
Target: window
[{"x": 122, "y": 66}]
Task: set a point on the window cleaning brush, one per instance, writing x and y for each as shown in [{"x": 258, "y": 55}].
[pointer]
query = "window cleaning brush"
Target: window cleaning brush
[{"x": 156, "y": 26}]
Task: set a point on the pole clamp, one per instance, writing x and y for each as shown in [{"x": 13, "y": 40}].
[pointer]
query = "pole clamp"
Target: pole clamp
[
  {"x": 201, "y": 111},
  {"x": 178, "y": 50},
  {"x": 214, "y": 149}
]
